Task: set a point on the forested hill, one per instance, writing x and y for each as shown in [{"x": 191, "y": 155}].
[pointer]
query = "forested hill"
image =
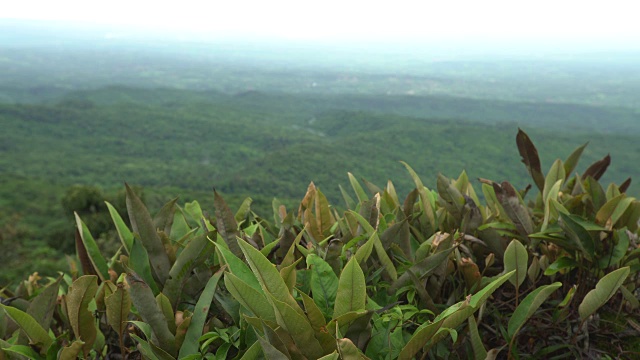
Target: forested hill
[{"x": 266, "y": 144}]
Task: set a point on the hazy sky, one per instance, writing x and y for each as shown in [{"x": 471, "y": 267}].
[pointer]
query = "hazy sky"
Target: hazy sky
[{"x": 612, "y": 20}]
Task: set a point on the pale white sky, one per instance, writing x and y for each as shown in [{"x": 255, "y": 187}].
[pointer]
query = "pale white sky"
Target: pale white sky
[{"x": 356, "y": 19}]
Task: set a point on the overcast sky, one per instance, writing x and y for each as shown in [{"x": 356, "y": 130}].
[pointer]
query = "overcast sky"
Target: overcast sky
[{"x": 586, "y": 21}]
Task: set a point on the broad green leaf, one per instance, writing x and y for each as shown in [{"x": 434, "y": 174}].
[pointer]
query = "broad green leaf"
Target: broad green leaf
[
  {"x": 298, "y": 327},
  {"x": 164, "y": 219},
  {"x": 360, "y": 193},
  {"x": 333, "y": 356},
  {"x": 572, "y": 160},
  {"x": 147, "y": 307},
  {"x": 253, "y": 352},
  {"x": 270, "y": 351},
  {"x": 363, "y": 252},
  {"x": 422, "y": 268},
  {"x": 190, "y": 345},
  {"x": 323, "y": 213},
  {"x": 550, "y": 211},
  {"x": 419, "y": 339},
  {"x": 288, "y": 274},
  {"x": 528, "y": 307},
  {"x": 621, "y": 209},
  {"x": 72, "y": 351},
  {"x": 139, "y": 262},
  {"x": 315, "y": 316},
  {"x": 426, "y": 198},
  {"x": 196, "y": 252},
  {"x": 90, "y": 245},
  {"x": 167, "y": 310},
  {"x": 514, "y": 208},
  {"x": 36, "y": 333},
  {"x": 556, "y": 173},
  {"x": 479, "y": 352},
  {"x": 143, "y": 225},
  {"x": 348, "y": 200},
  {"x": 20, "y": 352},
  {"x": 617, "y": 251},
  {"x": 516, "y": 258},
  {"x": 226, "y": 224},
  {"x": 530, "y": 158},
  {"x": 630, "y": 297},
  {"x": 324, "y": 283},
  {"x": 348, "y": 351},
  {"x": 238, "y": 267},
  {"x": 80, "y": 294},
  {"x": 268, "y": 276},
  {"x": 608, "y": 208},
  {"x": 125, "y": 235},
  {"x": 44, "y": 304},
  {"x": 561, "y": 263},
  {"x": 243, "y": 210},
  {"x": 145, "y": 348},
  {"x": 453, "y": 199},
  {"x": 604, "y": 290},
  {"x": 252, "y": 299},
  {"x": 352, "y": 290},
  {"x": 118, "y": 307},
  {"x": 578, "y": 235}
]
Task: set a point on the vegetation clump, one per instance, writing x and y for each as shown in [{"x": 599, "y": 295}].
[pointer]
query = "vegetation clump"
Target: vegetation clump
[{"x": 438, "y": 274}]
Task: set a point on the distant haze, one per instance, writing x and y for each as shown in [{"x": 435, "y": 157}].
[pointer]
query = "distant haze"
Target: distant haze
[{"x": 581, "y": 24}]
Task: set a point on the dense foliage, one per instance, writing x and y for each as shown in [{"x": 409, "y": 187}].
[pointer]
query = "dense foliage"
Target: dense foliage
[{"x": 439, "y": 274}]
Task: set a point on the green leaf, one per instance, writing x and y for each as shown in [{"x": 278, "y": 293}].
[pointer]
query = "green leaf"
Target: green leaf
[
  {"x": 348, "y": 350},
  {"x": 196, "y": 252},
  {"x": 226, "y": 224},
  {"x": 20, "y": 352},
  {"x": 80, "y": 294},
  {"x": 528, "y": 307},
  {"x": 513, "y": 207},
  {"x": 238, "y": 267},
  {"x": 604, "y": 290},
  {"x": 423, "y": 268},
  {"x": 167, "y": 310},
  {"x": 530, "y": 158},
  {"x": 315, "y": 316},
  {"x": 72, "y": 351},
  {"x": 118, "y": 307},
  {"x": 44, "y": 304},
  {"x": 164, "y": 219},
  {"x": 516, "y": 258},
  {"x": 145, "y": 348},
  {"x": 360, "y": 193},
  {"x": 270, "y": 351},
  {"x": 148, "y": 309},
  {"x": 190, "y": 344},
  {"x": 453, "y": 199},
  {"x": 618, "y": 251},
  {"x": 426, "y": 201},
  {"x": 143, "y": 225},
  {"x": 243, "y": 210},
  {"x": 479, "y": 352},
  {"x": 139, "y": 262},
  {"x": 324, "y": 283},
  {"x": 419, "y": 339},
  {"x": 352, "y": 290},
  {"x": 253, "y": 352},
  {"x": 561, "y": 263},
  {"x": 36, "y": 333},
  {"x": 252, "y": 299},
  {"x": 605, "y": 212},
  {"x": 267, "y": 274},
  {"x": 125, "y": 235},
  {"x": 363, "y": 252},
  {"x": 556, "y": 173},
  {"x": 572, "y": 160},
  {"x": 90, "y": 245},
  {"x": 578, "y": 235},
  {"x": 298, "y": 326}
]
